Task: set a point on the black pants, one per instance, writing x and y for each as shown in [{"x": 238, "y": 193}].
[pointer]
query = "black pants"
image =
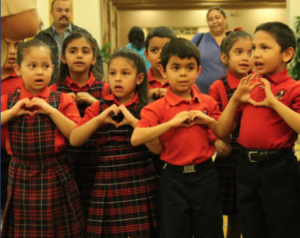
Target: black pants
[
  {"x": 268, "y": 197},
  {"x": 5, "y": 160},
  {"x": 190, "y": 204}
]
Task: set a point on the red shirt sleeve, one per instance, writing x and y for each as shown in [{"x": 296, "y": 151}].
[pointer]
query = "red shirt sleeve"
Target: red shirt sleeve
[
  {"x": 91, "y": 112},
  {"x": 68, "y": 107},
  {"x": 215, "y": 113},
  {"x": 149, "y": 116},
  {"x": 217, "y": 91}
]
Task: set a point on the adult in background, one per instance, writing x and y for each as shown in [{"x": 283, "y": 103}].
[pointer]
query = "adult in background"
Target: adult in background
[
  {"x": 61, "y": 11},
  {"x": 136, "y": 38},
  {"x": 209, "y": 46}
]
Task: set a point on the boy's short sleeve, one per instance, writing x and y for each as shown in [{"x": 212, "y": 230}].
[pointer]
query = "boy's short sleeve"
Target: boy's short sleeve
[
  {"x": 69, "y": 108},
  {"x": 215, "y": 113},
  {"x": 149, "y": 117},
  {"x": 91, "y": 112}
]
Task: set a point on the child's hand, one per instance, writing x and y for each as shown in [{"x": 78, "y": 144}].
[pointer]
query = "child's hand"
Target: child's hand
[
  {"x": 200, "y": 118},
  {"x": 86, "y": 97},
  {"x": 106, "y": 116},
  {"x": 181, "y": 119},
  {"x": 22, "y": 107},
  {"x": 153, "y": 93},
  {"x": 41, "y": 106},
  {"x": 270, "y": 98},
  {"x": 222, "y": 148},
  {"x": 162, "y": 92},
  {"x": 129, "y": 119},
  {"x": 73, "y": 95},
  {"x": 242, "y": 93}
]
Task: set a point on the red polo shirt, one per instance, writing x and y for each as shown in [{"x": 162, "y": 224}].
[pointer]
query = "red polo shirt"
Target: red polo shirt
[
  {"x": 182, "y": 145},
  {"x": 67, "y": 107},
  {"x": 262, "y": 127},
  {"x": 218, "y": 92},
  {"x": 76, "y": 88},
  {"x": 11, "y": 83},
  {"x": 154, "y": 83},
  {"x": 93, "y": 110}
]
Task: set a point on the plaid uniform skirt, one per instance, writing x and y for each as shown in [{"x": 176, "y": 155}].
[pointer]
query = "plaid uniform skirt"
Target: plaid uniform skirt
[
  {"x": 123, "y": 202},
  {"x": 43, "y": 201},
  {"x": 226, "y": 168},
  {"x": 84, "y": 161}
]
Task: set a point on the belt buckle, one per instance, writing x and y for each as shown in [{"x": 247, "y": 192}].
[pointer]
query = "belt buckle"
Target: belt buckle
[
  {"x": 189, "y": 169},
  {"x": 249, "y": 156}
]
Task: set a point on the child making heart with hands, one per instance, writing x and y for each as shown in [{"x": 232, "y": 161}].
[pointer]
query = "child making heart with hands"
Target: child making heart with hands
[
  {"x": 43, "y": 199},
  {"x": 125, "y": 176},
  {"x": 267, "y": 109},
  {"x": 79, "y": 78}
]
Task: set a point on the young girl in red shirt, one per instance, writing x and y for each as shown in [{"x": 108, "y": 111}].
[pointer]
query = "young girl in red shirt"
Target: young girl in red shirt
[
  {"x": 79, "y": 78},
  {"x": 236, "y": 55},
  {"x": 123, "y": 201},
  {"x": 43, "y": 199}
]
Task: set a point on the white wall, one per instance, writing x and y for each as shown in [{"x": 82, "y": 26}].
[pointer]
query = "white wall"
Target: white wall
[
  {"x": 293, "y": 9},
  {"x": 42, "y": 7},
  {"x": 246, "y": 18},
  {"x": 86, "y": 14}
]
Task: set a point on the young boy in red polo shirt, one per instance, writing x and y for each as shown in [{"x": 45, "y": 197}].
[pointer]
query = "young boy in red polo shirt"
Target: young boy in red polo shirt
[
  {"x": 10, "y": 82},
  {"x": 189, "y": 187},
  {"x": 268, "y": 172},
  {"x": 154, "y": 43}
]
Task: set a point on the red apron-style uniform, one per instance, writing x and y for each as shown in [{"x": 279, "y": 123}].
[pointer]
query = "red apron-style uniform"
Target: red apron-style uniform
[
  {"x": 222, "y": 90},
  {"x": 84, "y": 158},
  {"x": 123, "y": 201},
  {"x": 43, "y": 199}
]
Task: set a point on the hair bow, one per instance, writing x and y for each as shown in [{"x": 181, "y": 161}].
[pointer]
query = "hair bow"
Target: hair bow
[{"x": 236, "y": 29}]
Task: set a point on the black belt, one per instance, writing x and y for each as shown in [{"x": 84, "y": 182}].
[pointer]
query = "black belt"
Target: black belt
[
  {"x": 256, "y": 156},
  {"x": 193, "y": 168}
]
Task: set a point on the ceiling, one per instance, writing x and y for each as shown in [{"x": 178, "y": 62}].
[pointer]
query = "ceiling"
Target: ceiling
[{"x": 195, "y": 4}]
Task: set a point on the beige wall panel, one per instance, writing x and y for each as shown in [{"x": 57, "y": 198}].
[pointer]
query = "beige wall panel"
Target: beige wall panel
[{"x": 248, "y": 19}]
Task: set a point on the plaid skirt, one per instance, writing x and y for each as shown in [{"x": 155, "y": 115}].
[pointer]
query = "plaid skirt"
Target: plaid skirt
[
  {"x": 123, "y": 201},
  {"x": 84, "y": 161},
  {"x": 226, "y": 168},
  {"x": 43, "y": 201}
]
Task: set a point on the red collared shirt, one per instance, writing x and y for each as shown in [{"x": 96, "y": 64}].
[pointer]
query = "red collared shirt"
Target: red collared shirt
[
  {"x": 262, "y": 127},
  {"x": 154, "y": 83},
  {"x": 218, "y": 92},
  {"x": 76, "y": 88},
  {"x": 11, "y": 83},
  {"x": 93, "y": 110},
  {"x": 182, "y": 145},
  {"x": 67, "y": 107}
]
